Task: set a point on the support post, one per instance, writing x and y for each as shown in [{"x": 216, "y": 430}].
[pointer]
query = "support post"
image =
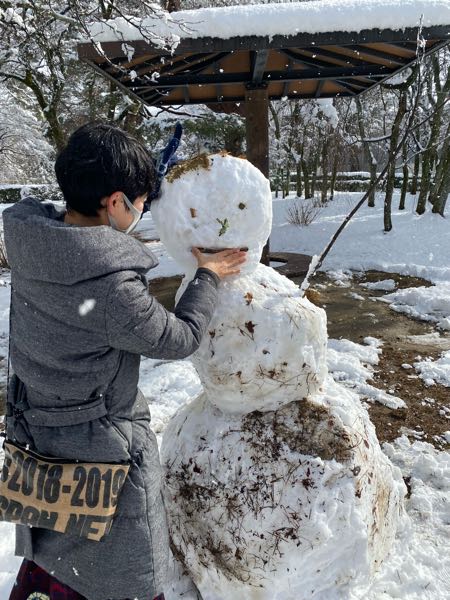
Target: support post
[{"x": 257, "y": 136}]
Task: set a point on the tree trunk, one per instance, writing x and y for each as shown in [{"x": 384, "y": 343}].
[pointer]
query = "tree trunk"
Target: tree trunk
[
  {"x": 334, "y": 175},
  {"x": 283, "y": 184},
  {"x": 306, "y": 179},
  {"x": 415, "y": 177},
  {"x": 373, "y": 176},
  {"x": 298, "y": 181},
  {"x": 405, "y": 181},
  {"x": 49, "y": 110},
  {"x": 288, "y": 179},
  {"x": 390, "y": 179},
  {"x": 443, "y": 190},
  {"x": 369, "y": 156},
  {"x": 430, "y": 154},
  {"x": 425, "y": 183},
  {"x": 441, "y": 168},
  {"x": 55, "y": 131},
  {"x": 277, "y": 182},
  {"x": 324, "y": 187},
  {"x": 314, "y": 175}
]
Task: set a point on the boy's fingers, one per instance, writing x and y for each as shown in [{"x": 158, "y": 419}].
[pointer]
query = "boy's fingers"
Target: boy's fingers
[
  {"x": 196, "y": 252},
  {"x": 236, "y": 261},
  {"x": 225, "y": 253}
]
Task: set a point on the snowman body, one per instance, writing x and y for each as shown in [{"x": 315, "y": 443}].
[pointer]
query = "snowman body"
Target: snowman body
[{"x": 276, "y": 486}]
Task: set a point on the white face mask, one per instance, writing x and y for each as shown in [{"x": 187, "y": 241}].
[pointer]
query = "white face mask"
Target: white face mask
[{"x": 136, "y": 217}]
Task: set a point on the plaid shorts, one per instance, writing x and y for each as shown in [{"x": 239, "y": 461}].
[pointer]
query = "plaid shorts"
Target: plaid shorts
[{"x": 33, "y": 583}]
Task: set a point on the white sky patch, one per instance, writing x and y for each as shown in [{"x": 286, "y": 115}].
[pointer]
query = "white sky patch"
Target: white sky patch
[{"x": 87, "y": 306}]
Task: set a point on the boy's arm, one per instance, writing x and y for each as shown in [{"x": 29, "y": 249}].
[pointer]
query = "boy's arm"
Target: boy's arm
[{"x": 138, "y": 323}]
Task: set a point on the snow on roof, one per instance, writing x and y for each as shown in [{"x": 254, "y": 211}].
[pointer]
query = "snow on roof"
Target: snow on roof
[{"x": 268, "y": 20}]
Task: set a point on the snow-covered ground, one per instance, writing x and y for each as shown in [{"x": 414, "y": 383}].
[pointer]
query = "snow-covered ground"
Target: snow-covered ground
[{"x": 419, "y": 565}]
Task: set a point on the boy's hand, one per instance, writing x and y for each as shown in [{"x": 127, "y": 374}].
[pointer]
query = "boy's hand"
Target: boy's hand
[{"x": 223, "y": 263}]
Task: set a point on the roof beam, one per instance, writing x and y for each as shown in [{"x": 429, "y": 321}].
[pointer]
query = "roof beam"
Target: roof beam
[
  {"x": 345, "y": 58},
  {"x": 372, "y": 52},
  {"x": 313, "y": 62},
  {"x": 346, "y": 86},
  {"x": 286, "y": 85},
  {"x": 259, "y": 62},
  {"x": 239, "y": 99},
  {"x": 195, "y": 64},
  {"x": 233, "y": 78},
  {"x": 210, "y": 44},
  {"x": 219, "y": 89},
  {"x": 405, "y": 47},
  {"x": 319, "y": 88}
]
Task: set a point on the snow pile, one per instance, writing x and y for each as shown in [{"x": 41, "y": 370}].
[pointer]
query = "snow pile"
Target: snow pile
[
  {"x": 167, "y": 386},
  {"x": 425, "y": 303},
  {"x": 385, "y": 285},
  {"x": 275, "y": 480},
  {"x": 300, "y": 503},
  {"x": 265, "y": 347},
  {"x": 419, "y": 565},
  {"x": 435, "y": 371},
  {"x": 341, "y": 277},
  {"x": 352, "y": 364},
  {"x": 269, "y": 20}
]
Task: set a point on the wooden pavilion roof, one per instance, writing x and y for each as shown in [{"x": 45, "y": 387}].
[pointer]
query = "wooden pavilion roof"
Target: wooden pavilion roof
[{"x": 208, "y": 70}]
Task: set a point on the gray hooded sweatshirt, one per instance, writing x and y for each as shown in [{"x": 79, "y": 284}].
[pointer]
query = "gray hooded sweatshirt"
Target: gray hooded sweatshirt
[{"x": 81, "y": 317}]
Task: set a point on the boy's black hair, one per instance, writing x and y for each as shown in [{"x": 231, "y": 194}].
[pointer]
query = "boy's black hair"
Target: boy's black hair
[{"x": 100, "y": 159}]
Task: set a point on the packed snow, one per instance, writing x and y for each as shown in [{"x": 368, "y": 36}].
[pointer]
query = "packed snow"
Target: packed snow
[
  {"x": 386, "y": 285},
  {"x": 269, "y": 20},
  {"x": 298, "y": 503},
  {"x": 275, "y": 479},
  {"x": 353, "y": 365},
  {"x": 435, "y": 371},
  {"x": 220, "y": 221},
  {"x": 425, "y": 303}
]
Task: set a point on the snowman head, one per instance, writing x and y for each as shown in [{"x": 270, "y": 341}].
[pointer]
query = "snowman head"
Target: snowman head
[{"x": 214, "y": 202}]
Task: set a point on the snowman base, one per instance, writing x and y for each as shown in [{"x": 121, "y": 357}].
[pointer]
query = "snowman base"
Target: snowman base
[{"x": 289, "y": 504}]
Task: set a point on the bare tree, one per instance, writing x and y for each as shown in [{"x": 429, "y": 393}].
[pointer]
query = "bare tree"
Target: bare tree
[
  {"x": 438, "y": 94},
  {"x": 37, "y": 50}
]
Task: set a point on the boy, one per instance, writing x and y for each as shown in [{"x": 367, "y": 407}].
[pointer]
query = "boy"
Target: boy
[{"x": 81, "y": 317}]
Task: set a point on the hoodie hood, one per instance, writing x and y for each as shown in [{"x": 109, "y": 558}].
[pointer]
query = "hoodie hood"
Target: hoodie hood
[{"x": 40, "y": 246}]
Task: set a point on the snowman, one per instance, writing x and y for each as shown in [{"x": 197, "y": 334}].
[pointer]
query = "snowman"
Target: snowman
[{"x": 275, "y": 483}]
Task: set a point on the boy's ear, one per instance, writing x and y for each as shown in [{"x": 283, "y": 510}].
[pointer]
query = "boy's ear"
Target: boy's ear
[{"x": 111, "y": 201}]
